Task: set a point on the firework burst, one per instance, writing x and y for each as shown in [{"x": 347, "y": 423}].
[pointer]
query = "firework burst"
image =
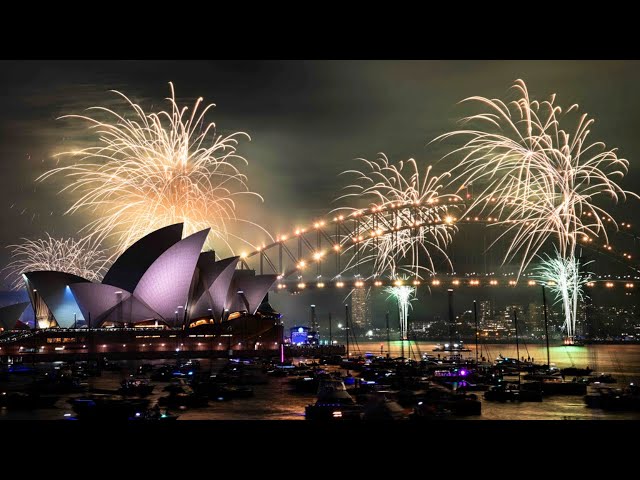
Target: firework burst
[
  {"x": 404, "y": 295},
  {"x": 149, "y": 170},
  {"x": 78, "y": 257},
  {"x": 415, "y": 224},
  {"x": 549, "y": 179},
  {"x": 566, "y": 278}
]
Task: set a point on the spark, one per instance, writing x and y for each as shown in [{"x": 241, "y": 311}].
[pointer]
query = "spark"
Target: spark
[
  {"x": 550, "y": 179},
  {"x": 415, "y": 210},
  {"x": 149, "y": 170},
  {"x": 404, "y": 295},
  {"x": 566, "y": 279},
  {"x": 81, "y": 257}
]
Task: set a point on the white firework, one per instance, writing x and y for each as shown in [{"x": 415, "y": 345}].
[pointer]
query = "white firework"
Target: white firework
[
  {"x": 549, "y": 180},
  {"x": 414, "y": 223},
  {"x": 83, "y": 258},
  {"x": 565, "y": 278},
  {"x": 150, "y": 170}
]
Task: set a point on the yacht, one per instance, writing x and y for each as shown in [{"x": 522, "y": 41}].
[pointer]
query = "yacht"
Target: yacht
[
  {"x": 451, "y": 347},
  {"x": 333, "y": 402}
]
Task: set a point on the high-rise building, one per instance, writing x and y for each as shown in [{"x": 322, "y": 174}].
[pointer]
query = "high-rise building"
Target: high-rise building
[
  {"x": 485, "y": 313},
  {"x": 534, "y": 322},
  {"x": 360, "y": 310}
]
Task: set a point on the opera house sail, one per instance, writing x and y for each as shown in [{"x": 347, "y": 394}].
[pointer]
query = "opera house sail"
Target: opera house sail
[{"x": 162, "y": 280}]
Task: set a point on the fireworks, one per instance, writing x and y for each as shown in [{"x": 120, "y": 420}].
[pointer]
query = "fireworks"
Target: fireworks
[
  {"x": 79, "y": 257},
  {"x": 566, "y": 278},
  {"x": 413, "y": 225},
  {"x": 404, "y": 295},
  {"x": 548, "y": 179},
  {"x": 149, "y": 170}
]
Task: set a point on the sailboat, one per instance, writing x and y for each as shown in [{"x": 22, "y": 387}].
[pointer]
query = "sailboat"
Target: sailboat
[{"x": 515, "y": 392}]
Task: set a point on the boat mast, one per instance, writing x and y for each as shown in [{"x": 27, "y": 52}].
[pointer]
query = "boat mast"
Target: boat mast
[
  {"x": 388, "y": 335},
  {"x": 475, "y": 315},
  {"x": 546, "y": 327},
  {"x": 450, "y": 293},
  {"x": 515, "y": 323},
  {"x": 346, "y": 321}
]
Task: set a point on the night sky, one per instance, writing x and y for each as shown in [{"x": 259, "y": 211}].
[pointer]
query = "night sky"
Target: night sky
[{"x": 307, "y": 120}]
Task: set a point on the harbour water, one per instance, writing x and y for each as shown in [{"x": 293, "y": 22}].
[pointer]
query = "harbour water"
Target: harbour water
[{"x": 274, "y": 400}]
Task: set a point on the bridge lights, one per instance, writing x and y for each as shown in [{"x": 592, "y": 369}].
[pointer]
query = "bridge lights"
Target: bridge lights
[
  {"x": 318, "y": 255},
  {"x": 398, "y": 283},
  {"x": 435, "y": 282},
  {"x": 448, "y": 219},
  {"x": 320, "y": 284},
  {"x": 377, "y": 283},
  {"x": 456, "y": 282},
  {"x": 336, "y": 248},
  {"x": 302, "y": 264},
  {"x": 339, "y": 284},
  {"x": 628, "y": 285},
  {"x": 302, "y": 285},
  {"x": 359, "y": 284},
  {"x": 590, "y": 284},
  {"x": 417, "y": 282},
  {"x": 493, "y": 282},
  {"x": 609, "y": 284}
]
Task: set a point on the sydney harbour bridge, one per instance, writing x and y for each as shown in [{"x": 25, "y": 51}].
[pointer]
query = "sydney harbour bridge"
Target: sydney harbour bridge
[{"x": 339, "y": 251}]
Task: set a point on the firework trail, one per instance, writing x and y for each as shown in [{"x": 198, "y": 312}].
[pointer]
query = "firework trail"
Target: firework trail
[
  {"x": 78, "y": 257},
  {"x": 149, "y": 170},
  {"x": 549, "y": 179},
  {"x": 415, "y": 198},
  {"x": 566, "y": 278},
  {"x": 404, "y": 295}
]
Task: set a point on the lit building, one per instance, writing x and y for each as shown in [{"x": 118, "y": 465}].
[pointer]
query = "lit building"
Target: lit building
[
  {"x": 361, "y": 310},
  {"x": 161, "y": 279},
  {"x": 485, "y": 313}
]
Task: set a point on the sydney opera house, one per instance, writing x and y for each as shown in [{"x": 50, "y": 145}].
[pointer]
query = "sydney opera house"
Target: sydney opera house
[{"x": 162, "y": 282}]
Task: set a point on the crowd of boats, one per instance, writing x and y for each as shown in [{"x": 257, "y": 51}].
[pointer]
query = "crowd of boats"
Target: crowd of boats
[
  {"x": 367, "y": 387},
  {"x": 186, "y": 385},
  {"x": 442, "y": 386}
]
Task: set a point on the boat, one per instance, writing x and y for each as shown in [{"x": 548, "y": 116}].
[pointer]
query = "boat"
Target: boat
[
  {"x": 602, "y": 378},
  {"x": 576, "y": 372},
  {"x": 451, "y": 347},
  {"x": 555, "y": 385},
  {"x": 381, "y": 407},
  {"x": 136, "y": 386},
  {"x": 154, "y": 415},
  {"x": 619, "y": 399},
  {"x": 183, "y": 396},
  {"x": 512, "y": 392},
  {"x": 107, "y": 407},
  {"x": 333, "y": 403}
]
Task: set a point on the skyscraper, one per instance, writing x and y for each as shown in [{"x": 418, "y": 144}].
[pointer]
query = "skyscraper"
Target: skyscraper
[{"x": 361, "y": 310}]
